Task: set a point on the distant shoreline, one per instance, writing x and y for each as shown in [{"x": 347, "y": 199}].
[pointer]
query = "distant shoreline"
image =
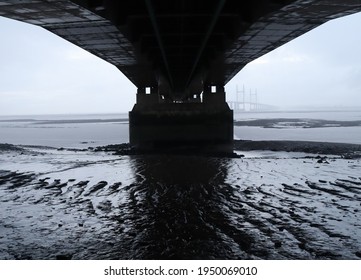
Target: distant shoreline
[
  {"x": 73, "y": 121},
  {"x": 278, "y": 123},
  {"x": 281, "y": 123}
]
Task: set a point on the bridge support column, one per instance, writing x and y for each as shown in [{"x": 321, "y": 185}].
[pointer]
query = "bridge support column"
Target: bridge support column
[
  {"x": 214, "y": 96},
  {"x": 187, "y": 127},
  {"x": 145, "y": 98}
]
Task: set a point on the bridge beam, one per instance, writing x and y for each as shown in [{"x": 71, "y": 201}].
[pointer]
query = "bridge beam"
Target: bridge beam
[{"x": 193, "y": 126}]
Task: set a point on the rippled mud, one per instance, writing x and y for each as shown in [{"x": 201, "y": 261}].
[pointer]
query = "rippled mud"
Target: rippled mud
[{"x": 84, "y": 205}]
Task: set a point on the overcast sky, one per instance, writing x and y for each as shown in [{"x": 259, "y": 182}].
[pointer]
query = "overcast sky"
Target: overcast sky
[{"x": 41, "y": 73}]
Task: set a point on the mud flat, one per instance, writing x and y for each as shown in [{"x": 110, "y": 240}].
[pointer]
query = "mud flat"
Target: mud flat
[
  {"x": 101, "y": 204},
  {"x": 342, "y": 149},
  {"x": 325, "y": 148},
  {"x": 284, "y": 123}
]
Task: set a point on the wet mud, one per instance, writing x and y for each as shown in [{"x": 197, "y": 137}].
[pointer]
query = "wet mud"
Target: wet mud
[{"x": 86, "y": 205}]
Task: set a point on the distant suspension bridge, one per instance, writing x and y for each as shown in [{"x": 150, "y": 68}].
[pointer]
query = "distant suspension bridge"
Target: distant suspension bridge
[{"x": 244, "y": 102}]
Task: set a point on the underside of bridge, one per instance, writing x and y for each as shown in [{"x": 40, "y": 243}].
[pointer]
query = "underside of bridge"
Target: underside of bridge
[{"x": 179, "y": 53}]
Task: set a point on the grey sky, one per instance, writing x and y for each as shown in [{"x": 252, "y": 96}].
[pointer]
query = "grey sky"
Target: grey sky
[
  {"x": 320, "y": 68},
  {"x": 41, "y": 73}
]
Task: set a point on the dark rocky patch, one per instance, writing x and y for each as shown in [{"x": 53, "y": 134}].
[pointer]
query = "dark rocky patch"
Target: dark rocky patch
[{"x": 10, "y": 147}]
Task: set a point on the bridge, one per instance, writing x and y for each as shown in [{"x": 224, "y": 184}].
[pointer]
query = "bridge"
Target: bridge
[
  {"x": 244, "y": 106},
  {"x": 179, "y": 53}
]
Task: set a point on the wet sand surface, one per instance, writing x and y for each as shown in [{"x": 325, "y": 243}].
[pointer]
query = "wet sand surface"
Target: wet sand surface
[{"x": 73, "y": 204}]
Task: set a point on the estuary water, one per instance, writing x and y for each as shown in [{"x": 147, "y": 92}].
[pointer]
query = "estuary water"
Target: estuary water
[
  {"x": 70, "y": 131},
  {"x": 339, "y": 134},
  {"x": 81, "y": 204},
  {"x": 81, "y": 131}
]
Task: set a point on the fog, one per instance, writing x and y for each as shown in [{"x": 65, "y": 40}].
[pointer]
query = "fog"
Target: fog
[{"x": 40, "y": 73}]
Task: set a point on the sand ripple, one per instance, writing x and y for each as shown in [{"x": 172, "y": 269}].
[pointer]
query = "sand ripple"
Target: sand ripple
[{"x": 83, "y": 205}]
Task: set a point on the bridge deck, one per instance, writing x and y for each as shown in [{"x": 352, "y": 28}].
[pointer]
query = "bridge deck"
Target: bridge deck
[{"x": 178, "y": 46}]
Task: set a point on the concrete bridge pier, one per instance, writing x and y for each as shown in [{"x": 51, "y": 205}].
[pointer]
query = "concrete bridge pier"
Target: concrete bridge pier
[{"x": 200, "y": 124}]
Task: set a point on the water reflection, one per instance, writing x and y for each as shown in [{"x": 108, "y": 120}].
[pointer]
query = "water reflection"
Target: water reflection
[{"x": 181, "y": 208}]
